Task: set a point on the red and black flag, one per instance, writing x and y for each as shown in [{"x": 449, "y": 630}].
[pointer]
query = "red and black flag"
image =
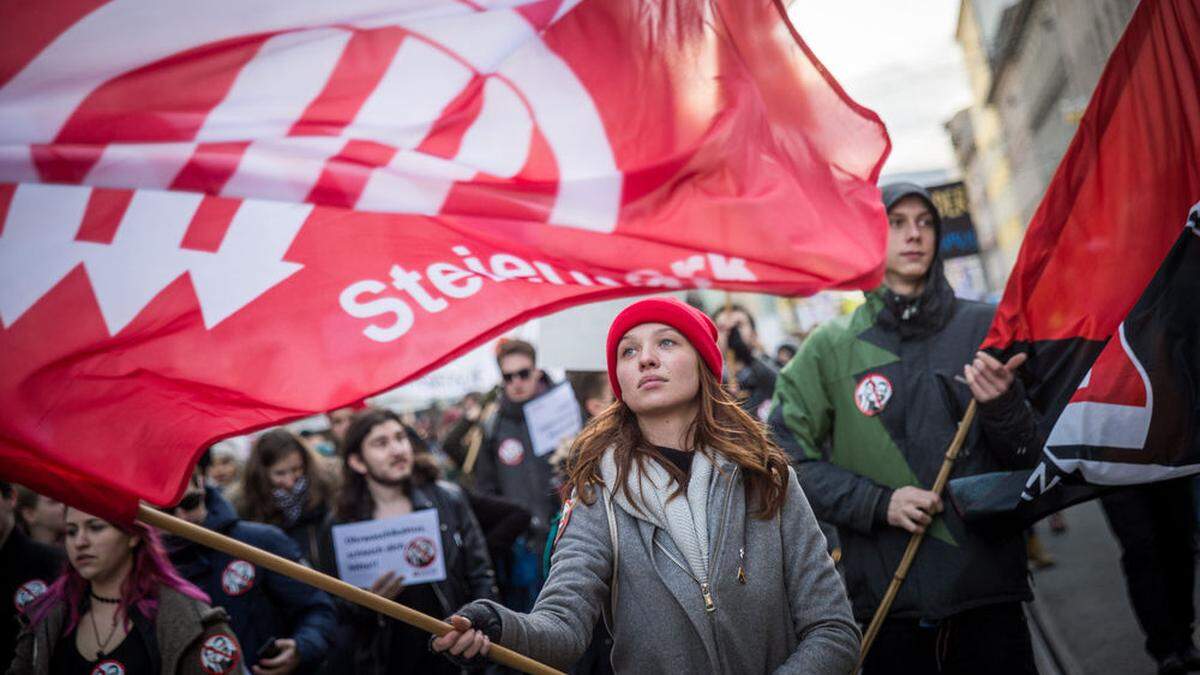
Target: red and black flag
[{"x": 1102, "y": 294}]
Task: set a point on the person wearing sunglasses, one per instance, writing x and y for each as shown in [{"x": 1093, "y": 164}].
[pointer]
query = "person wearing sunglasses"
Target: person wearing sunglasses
[
  {"x": 283, "y": 624},
  {"x": 506, "y": 466}
]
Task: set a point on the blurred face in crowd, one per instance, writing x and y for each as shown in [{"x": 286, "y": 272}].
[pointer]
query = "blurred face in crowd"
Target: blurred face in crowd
[
  {"x": 46, "y": 515},
  {"x": 284, "y": 473},
  {"x": 784, "y": 354},
  {"x": 658, "y": 369},
  {"x": 595, "y": 406},
  {"x": 222, "y": 470},
  {"x": 97, "y": 550},
  {"x": 8, "y": 514},
  {"x": 386, "y": 456},
  {"x": 728, "y": 320},
  {"x": 520, "y": 377},
  {"x": 911, "y": 245},
  {"x": 191, "y": 505},
  {"x": 339, "y": 422}
]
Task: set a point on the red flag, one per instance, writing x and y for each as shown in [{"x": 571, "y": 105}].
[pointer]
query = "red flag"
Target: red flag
[
  {"x": 1115, "y": 205},
  {"x": 1116, "y": 388},
  {"x": 257, "y": 215}
]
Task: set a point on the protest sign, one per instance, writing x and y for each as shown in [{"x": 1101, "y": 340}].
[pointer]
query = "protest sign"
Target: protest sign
[
  {"x": 552, "y": 417},
  {"x": 409, "y": 545}
]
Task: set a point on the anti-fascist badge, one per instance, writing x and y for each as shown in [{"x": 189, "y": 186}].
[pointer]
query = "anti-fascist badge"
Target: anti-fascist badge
[
  {"x": 872, "y": 394},
  {"x": 27, "y": 593},
  {"x": 109, "y": 667},
  {"x": 238, "y": 577},
  {"x": 420, "y": 552},
  {"x": 219, "y": 654},
  {"x": 511, "y": 451}
]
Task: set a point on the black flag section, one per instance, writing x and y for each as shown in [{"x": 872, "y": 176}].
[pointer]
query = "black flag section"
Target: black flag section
[{"x": 1134, "y": 416}]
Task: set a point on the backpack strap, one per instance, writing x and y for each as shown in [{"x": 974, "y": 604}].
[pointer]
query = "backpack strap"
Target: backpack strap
[{"x": 616, "y": 557}]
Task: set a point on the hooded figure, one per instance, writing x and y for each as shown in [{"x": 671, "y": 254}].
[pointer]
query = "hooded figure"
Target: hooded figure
[{"x": 867, "y": 409}]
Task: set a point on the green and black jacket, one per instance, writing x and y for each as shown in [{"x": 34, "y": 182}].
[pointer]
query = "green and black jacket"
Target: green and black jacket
[{"x": 869, "y": 405}]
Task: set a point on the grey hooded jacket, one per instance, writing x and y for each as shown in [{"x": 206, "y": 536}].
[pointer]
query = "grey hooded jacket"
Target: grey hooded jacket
[{"x": 787, "y": 612}]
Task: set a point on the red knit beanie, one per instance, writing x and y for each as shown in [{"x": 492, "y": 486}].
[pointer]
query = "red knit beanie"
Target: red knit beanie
[{"x": 695, "y": 325}]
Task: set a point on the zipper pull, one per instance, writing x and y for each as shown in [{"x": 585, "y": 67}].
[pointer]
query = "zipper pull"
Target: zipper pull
[
  {"x": 742, "y": 566},
  {"x": 709, "y": 605}
]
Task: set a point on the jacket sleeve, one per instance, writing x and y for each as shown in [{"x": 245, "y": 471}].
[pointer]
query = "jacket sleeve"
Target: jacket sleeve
[
  {"x": 190, "y": 660},
  {"x": 487, "y": 479},
  {"x": 827, "y": 637},
  {"x": 23, "y": 653},
  {"x": 502, "y": 520},
  {"x": 559, "y": 628},
  {"x": 801, "y": 420},
  {"x": 307, "y": 608},
  {"x": 481, "y": 580},
  {"x": 1010, "y": 428}
]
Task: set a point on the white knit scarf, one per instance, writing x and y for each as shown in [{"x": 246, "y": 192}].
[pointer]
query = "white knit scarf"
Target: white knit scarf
[{"x": 684, "y": 518}]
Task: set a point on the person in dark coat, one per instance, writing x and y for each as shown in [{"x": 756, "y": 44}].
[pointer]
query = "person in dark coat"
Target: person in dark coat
[
  {"x": 120, "y": 607},
  {"x": 507, "y": 466},
  {"x": 27, "y": 568},
  {"x": 262, "y": 605},
  {"x": 867, "y": 409},
  {"x": 286, "y": 484},
  {"x": 389, "y": 472},
  {"x": 752, "y": 375}
]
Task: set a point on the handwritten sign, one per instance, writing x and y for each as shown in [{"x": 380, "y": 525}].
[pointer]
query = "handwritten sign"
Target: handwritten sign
[
  {"x": 552, "y": 417},
  {"x": 409, "y": 545}
]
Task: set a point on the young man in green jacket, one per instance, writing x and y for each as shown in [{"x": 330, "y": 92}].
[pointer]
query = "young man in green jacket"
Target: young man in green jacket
[{"x": 867, "y": 409}]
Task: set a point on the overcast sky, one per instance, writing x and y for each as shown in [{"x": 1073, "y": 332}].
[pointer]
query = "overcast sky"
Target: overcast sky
[{"x": 899, "y": 59}]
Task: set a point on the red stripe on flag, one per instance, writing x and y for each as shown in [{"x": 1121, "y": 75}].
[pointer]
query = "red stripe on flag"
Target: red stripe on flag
[
  {"x": 211, "y": 166},
  {"x": 65, "y": 163},
  {"x": 105, "y": 209},
  {"x": 540, "y": 14},
  {"x": 345, "y": 175},
  {"x": 528, "y": 196},
  {"x": 31, "y": 28},
  {"x": 362, "y": 65},
  {"x": 446, "y": 136},
  {"x": 7, "y": 191},
  {"x": 164, "y": 101},
  {"x": 210, "y": 223}
]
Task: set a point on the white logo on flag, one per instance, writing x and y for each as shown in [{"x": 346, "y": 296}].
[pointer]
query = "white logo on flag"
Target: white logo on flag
[{"x": 38, "y": 248}]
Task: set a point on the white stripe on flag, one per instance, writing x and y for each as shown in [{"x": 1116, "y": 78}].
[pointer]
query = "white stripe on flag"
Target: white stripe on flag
[
  {"x": 410, "y": 97},
  {"x": 283, "y": 169},
  {"x": 140, "y": 165},
  {"x": 498, "y": 140},
  {"x": 411, "y": 183},
  {"x": 273, "y": 90}
]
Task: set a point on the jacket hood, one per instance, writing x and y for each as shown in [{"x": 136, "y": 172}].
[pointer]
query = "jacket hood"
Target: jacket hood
[{"x": 928, "y": 312}]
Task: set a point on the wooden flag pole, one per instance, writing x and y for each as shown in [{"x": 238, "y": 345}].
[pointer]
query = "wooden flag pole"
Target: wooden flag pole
[
  {"x": 358, "y": 596},
  {"x": 914, "y": 543}
]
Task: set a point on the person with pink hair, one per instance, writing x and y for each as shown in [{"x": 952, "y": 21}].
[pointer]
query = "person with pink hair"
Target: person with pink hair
[{"x": 120, "y": 608}]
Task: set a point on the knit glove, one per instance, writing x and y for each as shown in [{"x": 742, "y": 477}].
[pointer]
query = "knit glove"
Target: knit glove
[{"x": 484, "y": 618}]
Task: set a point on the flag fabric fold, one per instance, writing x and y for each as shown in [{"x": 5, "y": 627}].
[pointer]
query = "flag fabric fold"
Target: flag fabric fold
[
  {"x": 214, "y": 220},
  {"x": 1098, "y": 294}
]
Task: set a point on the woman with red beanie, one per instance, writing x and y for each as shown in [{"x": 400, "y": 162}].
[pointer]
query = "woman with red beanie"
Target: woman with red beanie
[{"x": 687, "y": 532}]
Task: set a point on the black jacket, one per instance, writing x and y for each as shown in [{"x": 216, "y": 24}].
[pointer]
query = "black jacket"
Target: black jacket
[
  {"x": 851, "y": 457},
  {"x": 368, "y": 637},
  {"x": 261, "y": 603},
  {"x": 27, "y": 568},
  {"x": 506, "y": 466}
]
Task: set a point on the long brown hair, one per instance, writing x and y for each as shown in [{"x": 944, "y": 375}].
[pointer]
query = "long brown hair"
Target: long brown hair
[
  {"x": 255, "y": 501},
  {"x": 721, "y": 426},
  {"x": 355, "y": 502}
]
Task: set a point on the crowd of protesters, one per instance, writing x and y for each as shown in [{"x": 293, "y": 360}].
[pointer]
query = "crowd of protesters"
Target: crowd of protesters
[{"x": 722, "y": 510}]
